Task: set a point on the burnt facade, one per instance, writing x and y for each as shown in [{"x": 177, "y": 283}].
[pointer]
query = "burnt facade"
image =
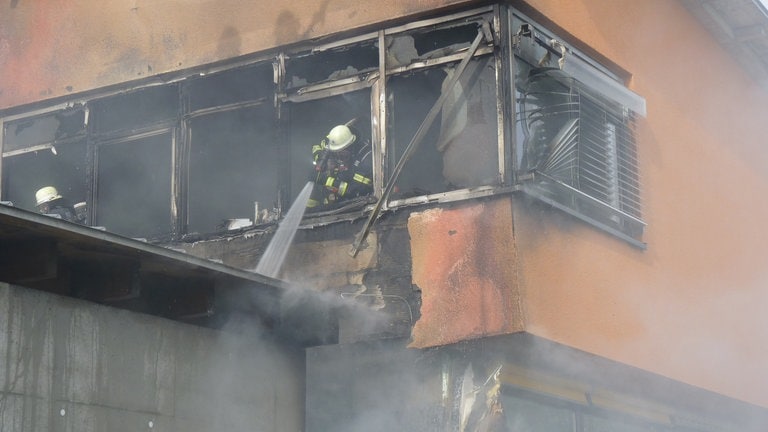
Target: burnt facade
[{"x": 525, "y": 230}]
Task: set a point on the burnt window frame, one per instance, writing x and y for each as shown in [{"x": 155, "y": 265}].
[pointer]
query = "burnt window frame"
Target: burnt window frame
[
  {"x": 154, "y": 127},
  {"x": 46, "y": 145},
  {"x": 599, "y": 85},
  {"x": 189, "y": 113},
  {"x": 362, "y": 80},
  {"x": 493, "y": 16},
  {"x": 510, "y": 178}
]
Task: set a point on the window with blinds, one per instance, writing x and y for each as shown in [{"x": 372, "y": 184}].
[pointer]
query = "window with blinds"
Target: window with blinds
[{"x": 575, "y": 134}]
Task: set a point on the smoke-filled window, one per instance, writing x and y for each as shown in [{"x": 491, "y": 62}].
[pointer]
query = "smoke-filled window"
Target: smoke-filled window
[
  {"x": 233, "y": 167},
  {"x": 133, "y": 135},
  {"x": 333, "y": 64},
  {"x": 134, "y": 186},
  {"x": 139, "y": 109},
  {"x": 25, "y": 173},
  {"x": 461, "y": 148},
  {"x": 311, "y": 121},
  {"x": 232, "y": 149},
  {"x": 45, "y": 150},
  {"x": 575, "y": 133}
]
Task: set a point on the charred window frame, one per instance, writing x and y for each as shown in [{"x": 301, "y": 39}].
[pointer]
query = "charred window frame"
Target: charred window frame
[
  {"x": 133, "y": 137},
  {"x": 463, "y": 153},
  {"x": 229, "y": 158},
  {"x": 321, "y": 87},
  {"x": 575, "y": 142},
  {"x": 44, "y": 148}
]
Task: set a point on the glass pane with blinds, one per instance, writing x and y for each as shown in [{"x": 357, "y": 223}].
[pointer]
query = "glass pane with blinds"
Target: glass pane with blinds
[
  {"x": 574, "y": 137},
  {"x": 528, "y": 415},
  {"x": 593, "y": 423},
  {"x": 44, "y": 129}
]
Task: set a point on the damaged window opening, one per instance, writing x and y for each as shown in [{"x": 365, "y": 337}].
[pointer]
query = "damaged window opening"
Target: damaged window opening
[
  {"x": 219, "y": 145},
  {"x": 245, "y": 84},
  {"x": 430, "y": 43},
  {"x": 134, "y": 136},
  {"x": 138, "y": 110},
  {"x": 233, "y": 153},
  {"x": 233, "y": 169},
  {"x": 311, "y": 121},
  {"x": 333, "y": 64},
  {"x": 461, "y": 148},
  {"x": 575, "y": 134},
  {"x": 26, "y": 173},
  {"x": 134, "y": 186},
  {"x": 45, "y": 150}
]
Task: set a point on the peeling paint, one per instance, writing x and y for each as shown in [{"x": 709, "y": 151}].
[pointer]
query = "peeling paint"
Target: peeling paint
[{"x": 464, "y": 262}]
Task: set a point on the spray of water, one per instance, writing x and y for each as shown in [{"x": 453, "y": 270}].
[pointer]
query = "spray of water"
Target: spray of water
[{"x": 272, "y": 260}]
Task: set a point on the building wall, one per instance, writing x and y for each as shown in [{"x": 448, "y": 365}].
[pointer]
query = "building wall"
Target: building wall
[
  {"x": 689, "y": 307},
  {"x": 70, "y": 365},
  {"x": 69, "y": 47}
]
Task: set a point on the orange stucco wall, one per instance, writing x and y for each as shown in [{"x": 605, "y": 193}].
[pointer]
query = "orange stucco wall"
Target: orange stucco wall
[
  {"x": 692, "y": 306},
  {"x": 464, "y": 262},
  {"x": 71, "y": 46}
]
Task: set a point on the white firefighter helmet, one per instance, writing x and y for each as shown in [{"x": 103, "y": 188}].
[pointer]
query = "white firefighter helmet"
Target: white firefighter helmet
[
  {"x": 46, "y": 194},
  {"x": 340, "y": 137}
]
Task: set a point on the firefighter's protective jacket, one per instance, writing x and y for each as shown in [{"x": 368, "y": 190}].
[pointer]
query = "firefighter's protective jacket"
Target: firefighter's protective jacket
[{"x": 340, "y": 175}]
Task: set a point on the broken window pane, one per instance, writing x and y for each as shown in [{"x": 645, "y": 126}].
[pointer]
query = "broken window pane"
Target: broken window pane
[
  {"x": 310, "y": 122},
  {"x": 461, "y": 148},
  {"x": 134, "y": 186},
  {"x": 232, "y": 86},
  {"x": 233, "y": 163},
  {"x": 45, "y": 129},
  {"x": 430, "y": 42},
  {"x": 331, "y": 64},
  {"x": 135, "y": 110},
  {"x": 24, "y": 174}
]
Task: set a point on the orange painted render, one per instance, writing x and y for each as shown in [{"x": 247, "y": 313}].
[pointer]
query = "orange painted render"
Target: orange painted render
[
  {"x": 464, "y": 262},
  {"x": 71, "y": 46},
  {"x": 690, "y": 307}
]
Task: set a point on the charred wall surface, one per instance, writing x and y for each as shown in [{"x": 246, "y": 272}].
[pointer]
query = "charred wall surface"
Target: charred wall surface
[{"x": 69, "y": 365}]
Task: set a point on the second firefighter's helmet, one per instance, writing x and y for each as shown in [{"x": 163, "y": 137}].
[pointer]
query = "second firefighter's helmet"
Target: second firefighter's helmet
[
  {"x": 46, "y": 194},
  {"x": 340, "y": 137}
]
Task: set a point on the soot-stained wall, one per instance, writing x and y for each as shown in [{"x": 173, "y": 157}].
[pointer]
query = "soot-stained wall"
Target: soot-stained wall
[{"x": 67, "y": 47}]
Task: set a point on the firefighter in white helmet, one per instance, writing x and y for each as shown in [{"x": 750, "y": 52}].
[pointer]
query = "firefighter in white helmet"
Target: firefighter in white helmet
[
  {"x": 50, "y": 202},
  {"x": 342, "y": 167}
]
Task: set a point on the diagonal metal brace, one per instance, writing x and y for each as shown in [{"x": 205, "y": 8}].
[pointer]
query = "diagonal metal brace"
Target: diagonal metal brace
[{"x": 483, "y": 33}]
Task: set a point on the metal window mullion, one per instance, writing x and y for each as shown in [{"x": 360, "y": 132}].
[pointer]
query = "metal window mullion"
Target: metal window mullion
[{"x": 380, "y": 165}]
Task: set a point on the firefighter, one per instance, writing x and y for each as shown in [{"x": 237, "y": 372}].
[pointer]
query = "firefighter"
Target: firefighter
[
  {"x": 342, "y": 167},
  {"x": 50, "y": 202}
]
